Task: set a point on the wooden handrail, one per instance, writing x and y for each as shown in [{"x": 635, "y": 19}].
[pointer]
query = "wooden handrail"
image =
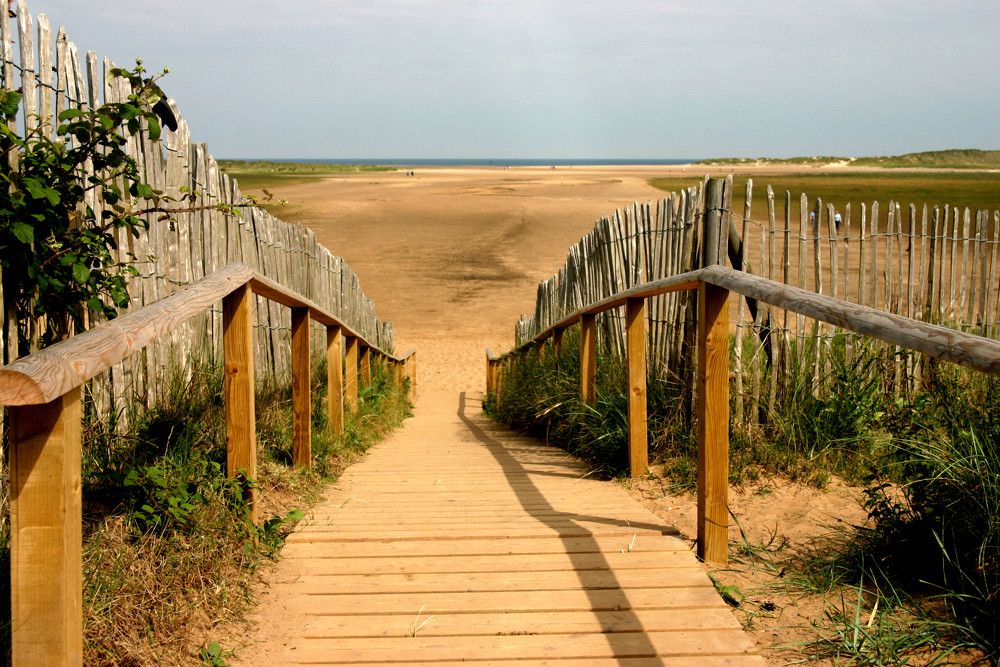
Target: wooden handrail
[
  {"x": 45, "y": 434},
  {"x": 53, "y": 371},
  {"x": 50, "y": 373},
  {"x": 934, "y": 340}
]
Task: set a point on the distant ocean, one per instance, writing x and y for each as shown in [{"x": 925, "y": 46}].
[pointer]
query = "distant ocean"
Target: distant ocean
[{"x": 494, "y": 162}]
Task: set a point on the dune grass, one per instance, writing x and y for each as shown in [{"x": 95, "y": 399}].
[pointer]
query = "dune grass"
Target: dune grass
[
  {"x": 258, "y": 174},
  {"x": 972, "y": 189},
  {"x": 955, "y": 158}
]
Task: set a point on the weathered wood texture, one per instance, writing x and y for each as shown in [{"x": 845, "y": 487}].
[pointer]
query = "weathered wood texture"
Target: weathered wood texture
[
  {"x": 442, "y": 545},
  {"x": 936, "y": 264},
  {"x": 175, "y": 253}
]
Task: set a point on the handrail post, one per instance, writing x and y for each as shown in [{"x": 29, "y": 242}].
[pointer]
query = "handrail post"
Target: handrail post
[
  {"x": 241, "y": 422},
  {"x": 635, "y": 333},
  {"x": 588, "y": 359},
  {"x": 301, "y": 389},
  {"x": 335, "y": 379},
  {"x": 46, "y": 532},
  {"x": 712, "y": 390},
  {"x": 351, "y": 372}
]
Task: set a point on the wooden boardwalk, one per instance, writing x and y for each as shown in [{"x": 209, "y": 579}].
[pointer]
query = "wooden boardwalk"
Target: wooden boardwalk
[{"x": 456, "y": 541}]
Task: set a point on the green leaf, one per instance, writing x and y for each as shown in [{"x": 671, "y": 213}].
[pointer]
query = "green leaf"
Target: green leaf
[
  {"x": 25, "y": 233},
  {"x": 154, "y": 128},
  {"x": 10, "y": 100},
  {"x": 70, "y": 113},
  {"x": 81, "y": 273}
]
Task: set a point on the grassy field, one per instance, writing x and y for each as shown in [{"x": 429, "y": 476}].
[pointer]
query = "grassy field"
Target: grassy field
[
  {"x": 956, "y": 158},
  {"x": 255, "y": 174},
  {"x": 972, "y": 189}
]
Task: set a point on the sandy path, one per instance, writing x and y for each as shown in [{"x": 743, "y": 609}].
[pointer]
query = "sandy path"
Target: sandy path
[{"x": 453, "y": 256}]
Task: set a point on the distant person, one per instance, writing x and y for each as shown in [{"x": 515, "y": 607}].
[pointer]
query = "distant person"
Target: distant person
[
  {"x": 812, "y": 218},
  {"x": 837, "y": 220}
]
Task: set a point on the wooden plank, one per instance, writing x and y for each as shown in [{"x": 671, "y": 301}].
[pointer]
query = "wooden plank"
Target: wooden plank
[
  {"x": 538, "y": 622},
  {"x": 241, "y": 428},
  {"x": 473, "y": 582},
  {"x": 712, "y": 430},
  {"x": 46, "y": 122},
  {"x": 635, "y": 325},
  {"x": 529, "y": 647},
  {"x": 366, "y": 366},
  {"x": 29, "y": 85},
  {"x": 588, "y": 359},
  {"x": 301, "y": 389},
  {"x": 335, "y": 378},
  {"x": 46, "y": 528}
]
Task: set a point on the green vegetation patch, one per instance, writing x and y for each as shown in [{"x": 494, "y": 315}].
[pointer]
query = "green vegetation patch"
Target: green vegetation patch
[
  {"x": 258, "y": 174},
  {"x": 976, "y": 190},
  {"x": 955, "y": 158}
]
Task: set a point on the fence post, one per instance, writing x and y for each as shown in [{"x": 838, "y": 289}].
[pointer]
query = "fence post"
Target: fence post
[
  {"x": 588, "y": 359},
  {"x": 557, "y": 337},
  {"x": 712, "y": 389},
  {"x": 335, "y": 379},
  {"x": 366, "y": 366},
  {"x": 241, "y": 422},
  {"x": 635, "y": 333},
  {"x": 301, "y": 389},
  {"x": 46, "y": 568},
  {"x": 412, "y": 366},
  {"x": 351, "y": 373}
]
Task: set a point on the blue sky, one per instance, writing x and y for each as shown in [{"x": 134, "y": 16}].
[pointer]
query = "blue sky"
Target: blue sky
[{"x": 562, "y": 78}]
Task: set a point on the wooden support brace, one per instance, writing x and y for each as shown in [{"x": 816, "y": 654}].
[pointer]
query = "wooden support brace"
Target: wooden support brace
[
  {"x": 712, "y": 389},
  {"x": 351, "y": 372},
  {"x": 301, "y": 389},
  {"x": 46, "y": 533},
  {"x": 241, "y": 424},
  {"x": 588, "y": 359},
  {"x": 635, "y": 334},
  {"x": 335, "y": 379}
]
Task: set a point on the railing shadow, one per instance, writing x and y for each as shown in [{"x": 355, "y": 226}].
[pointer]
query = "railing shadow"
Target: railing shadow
[{"x": 593, "y": 581}]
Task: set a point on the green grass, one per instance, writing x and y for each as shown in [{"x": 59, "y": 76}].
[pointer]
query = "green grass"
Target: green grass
[
  {"x": 973, "y": 189},
  {"x": 956, "y": 158},
  {"x": 259, "y": 174}
]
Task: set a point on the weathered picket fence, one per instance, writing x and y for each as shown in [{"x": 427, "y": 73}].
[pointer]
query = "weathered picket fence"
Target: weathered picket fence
[
  {"x": 177, "y": 252},
  {"x": 711, "y": 284},
  {"x": 935, "y": 264}
]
